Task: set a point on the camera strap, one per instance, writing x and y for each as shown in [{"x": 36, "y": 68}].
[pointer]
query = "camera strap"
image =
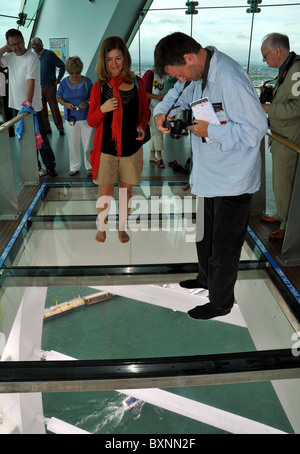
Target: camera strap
[
  {"x": 288, "y": 65},
  {"x": 281, "y": 77},
  {"x": 174, "y": 104},
  {"x": 271, "y": 80},
  {"x": 70, "y": 118},
  {"x": 206, "y": 69}
]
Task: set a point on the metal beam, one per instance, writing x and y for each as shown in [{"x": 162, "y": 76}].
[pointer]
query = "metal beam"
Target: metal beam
[
  {"x": 107, "y": 275},
  {"x": 102, "y": 375}
]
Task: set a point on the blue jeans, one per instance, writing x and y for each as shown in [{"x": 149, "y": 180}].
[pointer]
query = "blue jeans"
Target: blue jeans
[
  {"x": 46, "y": 151},
  {"x": 225, "y": 227}
]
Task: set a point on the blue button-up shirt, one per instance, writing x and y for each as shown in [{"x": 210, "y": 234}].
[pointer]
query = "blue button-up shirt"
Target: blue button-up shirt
[
  {"x": 231, "y": 163},
  {"x": 49, "y": 62}
]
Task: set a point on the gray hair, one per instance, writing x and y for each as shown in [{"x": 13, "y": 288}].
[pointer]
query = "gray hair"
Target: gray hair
[
  {"x": 277, "y": 40},
  {"x": 37, "y": 41}
]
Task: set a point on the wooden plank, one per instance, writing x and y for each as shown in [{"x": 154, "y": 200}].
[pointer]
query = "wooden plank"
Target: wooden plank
[
  {"x": 262, "y": 231},
  {"x": 7, "y": 228}
]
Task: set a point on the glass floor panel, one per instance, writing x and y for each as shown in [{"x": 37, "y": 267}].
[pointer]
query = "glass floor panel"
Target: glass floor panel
[
  {"x": 60, "y": 229},
  {"x": 52, "y": 268}
]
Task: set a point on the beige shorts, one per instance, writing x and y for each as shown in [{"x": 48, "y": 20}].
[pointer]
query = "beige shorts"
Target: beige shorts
[{"x": 126, "y": 169}]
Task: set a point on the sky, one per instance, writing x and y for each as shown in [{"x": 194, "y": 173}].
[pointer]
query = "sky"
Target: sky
[
  {"x": 8, "y": 8},
  {"x": 227, "y": 28}
]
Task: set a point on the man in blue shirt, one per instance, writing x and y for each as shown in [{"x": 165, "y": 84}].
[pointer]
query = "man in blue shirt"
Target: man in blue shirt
[
  {"x": 226, "y": 158},
  {"x": 49, "y": 61}
]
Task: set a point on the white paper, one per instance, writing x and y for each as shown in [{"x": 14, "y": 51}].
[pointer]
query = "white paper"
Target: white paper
[{"x": 203, "y": 110}]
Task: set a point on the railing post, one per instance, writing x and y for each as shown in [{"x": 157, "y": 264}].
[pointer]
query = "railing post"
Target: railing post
[
  {"x": 9, "y": 209},
  {"x": 290, "y": 253},
  {"x": 29, "y": 163}
]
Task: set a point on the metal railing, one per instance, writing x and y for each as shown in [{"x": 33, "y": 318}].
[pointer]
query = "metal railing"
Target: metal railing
[{"x": 290, "y": 252}]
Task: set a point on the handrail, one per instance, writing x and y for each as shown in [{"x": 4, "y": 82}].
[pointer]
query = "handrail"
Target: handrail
[
  {"x": 285, "y": 141},
  {"x": 13, "y": 121}
]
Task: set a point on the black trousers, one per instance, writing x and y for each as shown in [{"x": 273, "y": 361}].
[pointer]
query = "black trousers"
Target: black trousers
[{"x": 225, "y": 226}]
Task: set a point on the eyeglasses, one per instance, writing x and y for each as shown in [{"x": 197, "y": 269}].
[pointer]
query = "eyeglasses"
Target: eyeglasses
[
  {"x": 266, "y": 56},
  {"x": 16, "y": 44},
  {"x": 75, "y": 73}
]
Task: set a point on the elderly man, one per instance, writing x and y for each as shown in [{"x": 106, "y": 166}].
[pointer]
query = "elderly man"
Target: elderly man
[
  {"x": 25, "y": 89},
  {"x": 49, "y": 62},
  {"x": 226, "y": 167},
  {"x": 284, "y": 114}
]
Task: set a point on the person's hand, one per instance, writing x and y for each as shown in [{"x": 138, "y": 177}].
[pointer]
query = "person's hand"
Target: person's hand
[
  {"x": 159, "y": 121},
  {"x": 27, "y": 104},
  {"x": 110, "y": 105},
  {"x": 84, "y": 105},
  {"x": 265, "y": 107},
  {"x": 199, "y": 127},
  {"x": 140, "y": 133},
  {"x": 69, "y": 105},
  {"x": 7, "y": 48}
]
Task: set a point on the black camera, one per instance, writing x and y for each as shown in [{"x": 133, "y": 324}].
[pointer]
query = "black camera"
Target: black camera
[
  {"x": 266, "y": 94},
  {"x": 178, "y": 127}
]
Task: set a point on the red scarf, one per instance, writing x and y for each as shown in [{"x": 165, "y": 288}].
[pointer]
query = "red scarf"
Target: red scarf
[{"x": 115, "y": 82}]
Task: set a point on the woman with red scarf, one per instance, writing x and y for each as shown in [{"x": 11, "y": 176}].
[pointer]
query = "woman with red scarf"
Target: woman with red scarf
[{"x": 120, "y": 112}]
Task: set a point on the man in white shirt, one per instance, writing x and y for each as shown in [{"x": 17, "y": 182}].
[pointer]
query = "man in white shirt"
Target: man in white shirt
[
  {"x": 24, "y": 86},
  {"x": 2, "y": 94}
]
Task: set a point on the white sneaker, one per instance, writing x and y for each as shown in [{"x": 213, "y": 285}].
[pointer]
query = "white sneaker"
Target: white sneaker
[{"x": 42, "y": 172}]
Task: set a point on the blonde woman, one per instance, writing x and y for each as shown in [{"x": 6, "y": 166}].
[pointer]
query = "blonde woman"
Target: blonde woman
[
  {"x": 74, "y": 94},
  {"x": 156, "y": 91},
  {"x": 119, "y": 110}
]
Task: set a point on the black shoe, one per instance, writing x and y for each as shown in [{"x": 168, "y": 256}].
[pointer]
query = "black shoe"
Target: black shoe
[
  {"x": 206, "y": 312},
  {"x": 51, "y": 171},
  {"x": 192, "y": 283}
]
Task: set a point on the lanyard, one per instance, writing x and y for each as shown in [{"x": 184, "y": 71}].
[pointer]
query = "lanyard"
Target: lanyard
[
  {"x": 206, "y": 69},
  {"x": 281, "y": 77}
]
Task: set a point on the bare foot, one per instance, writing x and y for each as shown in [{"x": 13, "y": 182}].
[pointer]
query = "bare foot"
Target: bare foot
[
  {"x": 101, "y": 237},
  {"x": 152, "y": 156},
  {"x": 123, "y": 237}
]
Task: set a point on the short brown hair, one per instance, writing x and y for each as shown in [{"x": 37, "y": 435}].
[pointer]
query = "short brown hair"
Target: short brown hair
[
  {"x": 74, "y": 64},
  {"x": 109, "y": 44},
  {"x": 170, "y": 51},
  {"x": 13, "y": 32}
]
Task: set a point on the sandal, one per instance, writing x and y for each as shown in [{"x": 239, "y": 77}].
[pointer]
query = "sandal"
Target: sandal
[
  {"x": 160, "y": 164},
  {"x": 73, "y": 173}
]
